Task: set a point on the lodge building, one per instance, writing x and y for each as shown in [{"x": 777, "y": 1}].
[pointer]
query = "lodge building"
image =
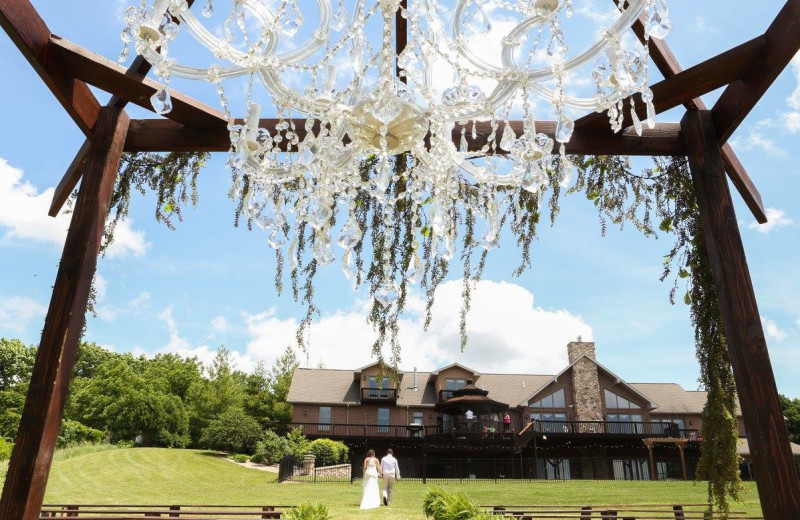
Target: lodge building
[{"x": 584, "y": 422}]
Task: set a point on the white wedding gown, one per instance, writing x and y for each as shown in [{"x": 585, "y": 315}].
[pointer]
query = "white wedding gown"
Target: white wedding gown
[{"x": 372, "y": 494}]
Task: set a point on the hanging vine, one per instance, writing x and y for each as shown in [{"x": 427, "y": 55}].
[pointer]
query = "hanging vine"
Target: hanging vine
[{"x": 405, "y": 252}]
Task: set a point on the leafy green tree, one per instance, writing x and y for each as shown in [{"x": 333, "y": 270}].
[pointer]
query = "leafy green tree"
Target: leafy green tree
[
  {"x": 174, "y": 374},
  {"x": 259, "y": 400},
  {"x": 280, "y": 379},
  {"x": 90, "y": 357},
  {"x": 298, "y": 444},
  {"x": 122, "y": 402},
  {"x": 232, "y": 431},
  {"x": 16, "y": 363},
  {"x": 209, "y": 398},
  {"x": 328, "y": 451},
  {"x": 791, "y": 410},
  {"x": 270, "y": 449}
]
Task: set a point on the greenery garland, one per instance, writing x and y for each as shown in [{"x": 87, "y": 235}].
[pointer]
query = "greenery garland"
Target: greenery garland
[{"x": 662, "y": 194}]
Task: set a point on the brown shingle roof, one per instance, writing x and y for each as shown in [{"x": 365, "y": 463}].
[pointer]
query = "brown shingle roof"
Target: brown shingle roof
[
  {"x": 326, "y": 386},
  {"x": 743, "y": 448}
]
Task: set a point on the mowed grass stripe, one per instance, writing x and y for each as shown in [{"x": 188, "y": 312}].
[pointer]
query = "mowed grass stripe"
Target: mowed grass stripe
[{"x": 164, "y": 476}]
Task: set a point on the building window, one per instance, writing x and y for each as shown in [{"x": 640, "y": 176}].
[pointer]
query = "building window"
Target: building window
[
  {"x": 378, "y": 388},
  {"x": 383, "y": 420},
  {"x": 324, "y": 418},
  {"x": 554, "y": 400},
  {"x": 417, "y": 418},
  {"x": 625, "y": 423},
  {"x": 662, "y": 426},
  {"x": 551, "y": 422},
  {"x": 454, "y": 384},
  {"x": 617, "y": 402}
]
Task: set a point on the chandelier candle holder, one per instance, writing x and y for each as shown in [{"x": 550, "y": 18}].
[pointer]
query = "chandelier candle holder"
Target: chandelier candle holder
[{"x": 363, "y": 99}]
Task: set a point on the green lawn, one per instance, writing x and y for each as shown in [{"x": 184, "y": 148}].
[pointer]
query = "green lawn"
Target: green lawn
[{"x": 163, "y": 476}]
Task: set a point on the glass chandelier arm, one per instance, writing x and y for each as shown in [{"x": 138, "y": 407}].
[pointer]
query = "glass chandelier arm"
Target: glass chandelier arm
[{"x": 627, "y": 18}]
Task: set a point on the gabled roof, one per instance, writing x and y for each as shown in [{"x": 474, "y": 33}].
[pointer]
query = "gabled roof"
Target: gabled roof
[
  {"x": 674, "y": 399},
  {"x": 459, "y": 365},
  {"x": 525, "y": 401},
  {"x": 323, "y": 386},
  {"x": 376, "y": 363}
]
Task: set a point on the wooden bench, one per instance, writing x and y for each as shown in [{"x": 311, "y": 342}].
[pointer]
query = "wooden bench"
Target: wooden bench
[
  {"x": 616, "y": 512},
  {"x": 138, "y": 511}
]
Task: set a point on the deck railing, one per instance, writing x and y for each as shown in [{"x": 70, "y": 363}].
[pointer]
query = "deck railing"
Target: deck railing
[
  {"x": 360, "y": 430},
  {"x": 613, "y": 428},
  {"x": 378, "y": 394}
]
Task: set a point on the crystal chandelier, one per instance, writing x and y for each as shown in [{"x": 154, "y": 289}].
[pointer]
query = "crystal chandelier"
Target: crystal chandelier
[{"x": 337, "y": 67}]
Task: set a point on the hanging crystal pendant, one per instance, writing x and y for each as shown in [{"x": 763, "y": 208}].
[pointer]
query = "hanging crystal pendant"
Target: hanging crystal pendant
[
  {"x": 387, "y": 294},
  {"x": 507, "y": 138},
  {"x": 162, "y": 101}
]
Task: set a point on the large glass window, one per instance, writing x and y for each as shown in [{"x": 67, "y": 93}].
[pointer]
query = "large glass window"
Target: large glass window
[
  {"x": 663, "y": 426},
  {"x": 378, "y": 387},
  {"x": 616, "y": 402},
  {"x": 383, "y": 420},
  {"x": 454, "y": 384},
  {"x": 417, "y": 418},
  {"x": 625, "y": 423},
  {"x": 551, "y": 422},
  {"x": 324, "y": 418},
  {"x": 554, "y": 400}
]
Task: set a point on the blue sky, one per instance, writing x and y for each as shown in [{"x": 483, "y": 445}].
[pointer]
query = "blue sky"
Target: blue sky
[{"x": 209, "y": 283}]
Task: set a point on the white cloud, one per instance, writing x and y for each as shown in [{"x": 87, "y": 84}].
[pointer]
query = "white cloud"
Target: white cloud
[
  {"x": 23, "y": 211},
  {"x": 791, "y": 119},
  {"x": 756, "y": 139},
  {"x": 127, "y": 241},
  {"x": 18, "y": 311},
  {"x": 776, "y": 218},
  {"x": 183, "y": 347},
  {"x": 507, "y": 333},
  {"x": 772, "y": 330},
  {"x": 220, "y": 324}
]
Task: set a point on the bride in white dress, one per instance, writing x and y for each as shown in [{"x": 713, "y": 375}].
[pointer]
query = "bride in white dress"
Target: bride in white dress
[{"x": 372, "y": 470}]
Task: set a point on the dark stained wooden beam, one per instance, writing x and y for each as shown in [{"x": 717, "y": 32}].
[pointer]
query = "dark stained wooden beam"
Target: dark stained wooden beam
[
  {"x": 70, "y": 179},
  {"x": 130, "y": 86},
  {"x": 776, "y": 475},
  {"x": 159, "y": 135},
  {"x": 400, "y": 36},
  {"x": 32, "y": 36},
  {"x": 668, "y": 65},
  {"x": 41, "y": 417},
  {"x": 686, "y": 85},
  {"x": 783, "y": 42},
  {"x": 139, "y": 67}
]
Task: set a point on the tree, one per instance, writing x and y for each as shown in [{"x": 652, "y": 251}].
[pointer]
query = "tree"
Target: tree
[
  {"x": 280, "y": 379},
  {"x": 89, "y": 358},
  {"x": 16, "y": 363},
  {"x": 209, "y": 398},
  {"x": 233, "y": 431},
  {"x": 124, "y": 403},
  {"x": 791, "y": 410},
  {"x": 174, "y": 374}
]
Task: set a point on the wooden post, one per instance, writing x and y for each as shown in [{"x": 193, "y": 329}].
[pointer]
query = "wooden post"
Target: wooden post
[
  {"x": 778, "y": 485},
  {"x": 41, "y": 417},
  {"x": 683, "y": 462},
  {"x": 653, "y": 473}
]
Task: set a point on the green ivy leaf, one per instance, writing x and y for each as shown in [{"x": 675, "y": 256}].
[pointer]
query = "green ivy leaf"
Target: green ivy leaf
[
  {"x": 168, "y": 208},
  {"x": 687, "y": 298},
  {"x": 683, "y": 273},
  {"x": 666, "y": 224},
  {"x": 426, "y": 231}
]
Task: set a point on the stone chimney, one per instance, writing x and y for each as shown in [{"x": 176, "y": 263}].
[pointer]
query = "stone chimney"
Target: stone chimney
[
  {"x": 585, "y": 382},
  {"x": 576, "y": 349}
]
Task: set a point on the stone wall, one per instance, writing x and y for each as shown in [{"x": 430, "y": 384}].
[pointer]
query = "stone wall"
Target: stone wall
[
  {"x": 340, "y": 470},
  {"x": 586, "y": 382}
]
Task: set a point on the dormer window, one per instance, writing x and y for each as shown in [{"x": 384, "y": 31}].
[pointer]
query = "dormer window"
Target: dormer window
[
  {"x": 617, "y": 402},
  {"x": 554, "y": 400},
  {"x": 454, "y": 384},
  {"x": 378, "y": 387}
]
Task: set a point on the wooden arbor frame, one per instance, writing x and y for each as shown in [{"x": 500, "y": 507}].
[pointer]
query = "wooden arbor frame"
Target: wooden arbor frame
[{"x": 746, "y": 71}]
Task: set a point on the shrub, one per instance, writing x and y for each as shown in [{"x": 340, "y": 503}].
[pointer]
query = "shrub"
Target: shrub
[
  {"x": 298, "y": 444},
  {"x": 439, "y": 504},
  {"x": 271, "y": 449},
  {"x": 233, "y": 431},
  {"x": 241, "y": 459},
  {"x": 5, "y": 449},
  {"x": 73, "y": 433},
  {"x": 328, "y": 452},
  {"x": 309, "y": 512}
]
